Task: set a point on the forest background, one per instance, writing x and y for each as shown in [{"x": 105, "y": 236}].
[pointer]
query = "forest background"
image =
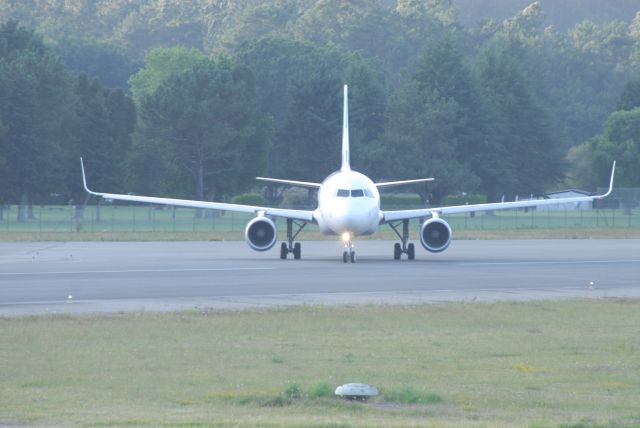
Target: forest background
[{"x": 194, "y": 99}]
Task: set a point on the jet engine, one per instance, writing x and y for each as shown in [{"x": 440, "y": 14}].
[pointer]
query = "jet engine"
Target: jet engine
[
  {"x": 435, "y": 235},
  {"x": 261, "y": 233}
]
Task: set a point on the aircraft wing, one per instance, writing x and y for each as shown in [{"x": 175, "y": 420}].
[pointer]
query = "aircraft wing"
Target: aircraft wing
[
  {"x": 389, "y": 216},
  {"x": 291, "y": 182},
  {"x": 302, "y": 215},
  {"x": 384, "y": 185}
]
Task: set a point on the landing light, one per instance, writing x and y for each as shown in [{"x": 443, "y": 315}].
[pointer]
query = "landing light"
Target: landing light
[{"x": 346, "y": 236}]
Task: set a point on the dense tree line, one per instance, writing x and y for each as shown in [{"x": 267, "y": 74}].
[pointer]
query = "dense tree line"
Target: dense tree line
[{"x": 195, "y": 99}]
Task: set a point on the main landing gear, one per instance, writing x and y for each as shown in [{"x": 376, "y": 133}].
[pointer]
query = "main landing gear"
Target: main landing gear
[
  {"x": 289, "y": 246},
  {"x": 405, "y": 248}
]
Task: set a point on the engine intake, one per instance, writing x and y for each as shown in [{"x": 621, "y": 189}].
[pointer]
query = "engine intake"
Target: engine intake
[
  {"x": 435, "y": 235},
  {"x": 261, "y": 233}
]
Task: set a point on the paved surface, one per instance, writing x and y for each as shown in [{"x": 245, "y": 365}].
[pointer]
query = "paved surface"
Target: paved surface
[{"x": 137, "y": 276}]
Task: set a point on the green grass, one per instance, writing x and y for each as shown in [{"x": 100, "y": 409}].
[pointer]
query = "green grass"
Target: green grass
[{"x": 570, "y": 363}]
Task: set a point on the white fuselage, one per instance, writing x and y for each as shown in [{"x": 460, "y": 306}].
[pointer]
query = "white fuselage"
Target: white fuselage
[{"x": 348, "y": 202}]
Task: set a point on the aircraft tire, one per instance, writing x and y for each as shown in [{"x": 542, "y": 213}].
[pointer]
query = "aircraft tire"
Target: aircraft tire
[
  {"x": 345, "y": 257},
  {"x": 411, "y": 252},
  {"x": 397, "y": 251},
  {"x": 297, "y": 251},
  {"x": 283, "y": 251},
  {"x": 353, "y": 256}
]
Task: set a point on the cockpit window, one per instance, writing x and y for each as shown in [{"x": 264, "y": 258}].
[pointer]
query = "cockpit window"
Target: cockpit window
[
  {"x": 368, "y": 193},
  {"x": 357, "y": 193},
  {"x": 343, "y": 193}
]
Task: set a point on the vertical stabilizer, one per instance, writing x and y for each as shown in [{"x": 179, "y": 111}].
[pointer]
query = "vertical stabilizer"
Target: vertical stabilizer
[{"x": 345, "y": 133}]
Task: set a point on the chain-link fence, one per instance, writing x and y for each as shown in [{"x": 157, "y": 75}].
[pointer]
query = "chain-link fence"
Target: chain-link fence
[{"x": 154, "y": 219}]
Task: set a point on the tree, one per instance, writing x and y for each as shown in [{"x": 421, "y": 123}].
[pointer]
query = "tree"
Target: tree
[
  {"x": 205, "y": 121},
  {"x": 367, "y": 105},
  {"x": 630, "y": 97},
  {"x": 299, "y": 85},
  {"x": 106, "y": 62},
  {"x": 527, "y": 23},
  {"x": 104, "y": 122},
  {"x": 311, "y": 134},
  {"x": 621, "y": 142},
  {"x": 150, "y": 169},
  {"x": 36, "y": 109},
  {"x": 159, "y": 65},
  {"x": 421, "y": 141},
  {"x": 282, "y": 67},
  {"x": 533, "y": 154},
  {"x": 479, "y": 147},
  {"x": 265, "y": 19}
]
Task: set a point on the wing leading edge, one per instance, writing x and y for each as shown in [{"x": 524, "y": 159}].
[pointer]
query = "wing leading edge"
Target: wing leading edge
[
  {"x": 305, "y": 184},
  {"x": 387, "y": 184},
  {"x": 301, "y": 215},
  {"x": 389, "y": 216}
]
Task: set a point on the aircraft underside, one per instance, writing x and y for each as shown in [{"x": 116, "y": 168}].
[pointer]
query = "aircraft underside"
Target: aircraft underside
[{"x": 261, "y": 235}]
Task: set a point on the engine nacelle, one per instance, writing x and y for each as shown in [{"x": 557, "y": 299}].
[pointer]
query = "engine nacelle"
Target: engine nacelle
[
  {"x": 261, "y": 233},
  {"x": 435, "y": 235}
]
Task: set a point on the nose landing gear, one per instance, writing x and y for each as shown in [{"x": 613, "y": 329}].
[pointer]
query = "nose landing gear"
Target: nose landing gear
[{"x": 349, "y": 253}]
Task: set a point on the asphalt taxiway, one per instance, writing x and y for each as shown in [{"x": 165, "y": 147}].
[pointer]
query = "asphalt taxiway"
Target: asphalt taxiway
[{"x": 80, "y": 277}]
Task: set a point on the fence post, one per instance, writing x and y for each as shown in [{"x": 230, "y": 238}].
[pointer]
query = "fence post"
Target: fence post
[
  {"x": 581, "y": 223},
  {"x": 532, "y": 221},
  {"x": 613, "y": 217}
]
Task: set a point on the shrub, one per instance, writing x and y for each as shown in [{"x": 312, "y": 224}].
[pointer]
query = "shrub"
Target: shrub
[
  {"x": 297, "y": 198},
  {"x": 400, "y": 201},
  {"x": 320, "y": 390},
  {"x": 293, "y": 391},
  {"x": 248, "y": 199}
]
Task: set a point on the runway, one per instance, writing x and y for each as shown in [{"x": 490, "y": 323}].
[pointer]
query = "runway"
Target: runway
[{"x": 85, "y": 277}]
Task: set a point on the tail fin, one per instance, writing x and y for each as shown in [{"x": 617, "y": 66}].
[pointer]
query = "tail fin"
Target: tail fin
[{"x": 345, "y": 133}]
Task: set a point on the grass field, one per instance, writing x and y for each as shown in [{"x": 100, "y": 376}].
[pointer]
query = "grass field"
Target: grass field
[{"x": 570, "y": 364}]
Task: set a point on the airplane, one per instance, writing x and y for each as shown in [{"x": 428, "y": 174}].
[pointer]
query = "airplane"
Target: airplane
[{"x": 348, "y": 206}]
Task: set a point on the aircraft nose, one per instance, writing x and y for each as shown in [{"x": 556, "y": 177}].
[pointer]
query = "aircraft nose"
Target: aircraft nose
[{"x": 350, "y": 219}]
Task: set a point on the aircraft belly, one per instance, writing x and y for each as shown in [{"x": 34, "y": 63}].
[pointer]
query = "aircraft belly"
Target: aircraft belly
[{"x": 361, "y": 224}]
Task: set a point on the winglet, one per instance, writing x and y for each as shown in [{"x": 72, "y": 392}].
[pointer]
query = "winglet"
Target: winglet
[
  {"x": 613, "y": 172},
  {"x": 84, "y": 180},
  {"x": 345, "y": 132}
]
